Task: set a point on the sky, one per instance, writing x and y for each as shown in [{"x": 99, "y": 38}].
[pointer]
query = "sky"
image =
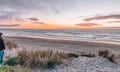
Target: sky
[{"x": 38, "y": 14}]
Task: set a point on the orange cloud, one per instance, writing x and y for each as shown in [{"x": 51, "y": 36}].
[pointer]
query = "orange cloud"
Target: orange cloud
[{"x": 87, "y": 25}]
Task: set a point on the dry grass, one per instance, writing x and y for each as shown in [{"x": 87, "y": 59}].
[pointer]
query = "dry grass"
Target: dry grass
[
  {"x": 10, "y": 44},
  {"x": 45, "y": 59},
  {"x": 87, "y": 54},
  {"x": 114, "y": 58},
  {"x": 104, "y": 53}
]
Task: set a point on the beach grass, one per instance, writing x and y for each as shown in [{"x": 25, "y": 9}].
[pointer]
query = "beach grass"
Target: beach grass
[
  {"x": 114, "y": 58},
  {"x": 11, "y": 61},
  {"x": 45, "y": 58},
  {"x": 10, "y": 44},
  {"x": 88, "y": 55},
  {"x": 73, "y": 55},
  {"x": 104, "y": 52}
]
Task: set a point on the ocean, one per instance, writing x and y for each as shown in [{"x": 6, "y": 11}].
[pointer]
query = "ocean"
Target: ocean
[{"x": 105, "y": 35}]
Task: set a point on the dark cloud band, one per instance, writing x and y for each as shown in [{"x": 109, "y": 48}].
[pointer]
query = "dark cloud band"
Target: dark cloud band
[
  {"x": 9, "y": 25},
  {"x": 33, "y": 19}
]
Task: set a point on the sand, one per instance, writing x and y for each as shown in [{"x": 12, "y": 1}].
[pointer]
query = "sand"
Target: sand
[
  {"x": 85, "y": 64},
  {"x": 64, "y": 45}
]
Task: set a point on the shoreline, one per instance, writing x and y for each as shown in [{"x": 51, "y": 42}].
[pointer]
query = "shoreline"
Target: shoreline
[
  {"x": 63, "y": 39},
  {"x": 65, "y": 45}
]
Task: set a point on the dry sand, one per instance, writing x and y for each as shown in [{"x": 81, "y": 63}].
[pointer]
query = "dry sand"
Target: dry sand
[{"x": 64, "y": 45}]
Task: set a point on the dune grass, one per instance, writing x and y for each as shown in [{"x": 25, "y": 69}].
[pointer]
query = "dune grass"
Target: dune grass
[
  {"x": 73, "y": 55},
  {"x": 11, "y": 61},
  {"x": 110, "y": 56},
  {"x": 104, "y": 52},
  {"x": 43, "y": 59},
  {"x": 10, "y": 44},
  {"x": 87, "y": 54}
]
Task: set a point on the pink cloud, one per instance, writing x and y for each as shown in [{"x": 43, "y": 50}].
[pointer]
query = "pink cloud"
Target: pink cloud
[
  {"x": 87, "y": 24},
  {"x": 105, "y": 17}
]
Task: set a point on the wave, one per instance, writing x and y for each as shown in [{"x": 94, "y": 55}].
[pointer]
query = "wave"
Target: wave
[{"x": 88, "y": 35}]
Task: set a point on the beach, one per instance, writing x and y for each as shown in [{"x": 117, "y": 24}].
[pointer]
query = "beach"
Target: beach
[
  {"x": 59, "y": 35},
  {"x": 80, "y": 64},
  {"x": 73, "y": 42},
  {"x": 63, "y": 45}
]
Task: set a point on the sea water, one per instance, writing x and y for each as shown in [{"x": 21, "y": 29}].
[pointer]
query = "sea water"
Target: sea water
[{"x": 107, "y": 35}]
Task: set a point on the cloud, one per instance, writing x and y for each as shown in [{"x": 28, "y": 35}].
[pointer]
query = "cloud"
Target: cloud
[
  {"x": 10, "y": 16},
  {"x": 41, "y": 6},
  {"x": 19, "y": 10},
  {"x": 112, "y": 22},
  {"x": 33, "y": 19},
  {"x": 13, "y": 16},
  {"x": 38, "y": 22},
  {"x": 87, "y": 24},
  {"x": 105, "y": 17},
  {"x": 9, "y": 25}
]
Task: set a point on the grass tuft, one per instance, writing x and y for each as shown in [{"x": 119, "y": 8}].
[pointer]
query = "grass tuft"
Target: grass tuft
[
  {"x": 104, "y": 53},
  {"x": 111, "y": 58},
  {"x": 87, "y": 54},
  {"x": 45, "y": 59},
  {"x": 73, "y": 55},
  {"x": 6, "y": 68},
  {"x": 10, "y": 44},
  {"x": 12, "y": 61}
]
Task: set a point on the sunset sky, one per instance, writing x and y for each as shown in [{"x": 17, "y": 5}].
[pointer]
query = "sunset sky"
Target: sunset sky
[{"x": 37, "y": 14}]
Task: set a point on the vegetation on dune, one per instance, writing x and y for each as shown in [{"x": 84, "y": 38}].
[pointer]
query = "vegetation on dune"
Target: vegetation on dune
[
  {"x": 10, "y": 44},
  {"x": 31, "y": 58},
  {"x": 111, "y": 58},
  {"x": 87, "y": 54},
  {"x": 104, "y": 53},
  {"x": 6, "y": 68},
  {"x": 73, "y": 55},
  {"x": 12, "y": 61},
  {"x": 107, "y": 54},
  {"x": 46, "y": 58}
]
